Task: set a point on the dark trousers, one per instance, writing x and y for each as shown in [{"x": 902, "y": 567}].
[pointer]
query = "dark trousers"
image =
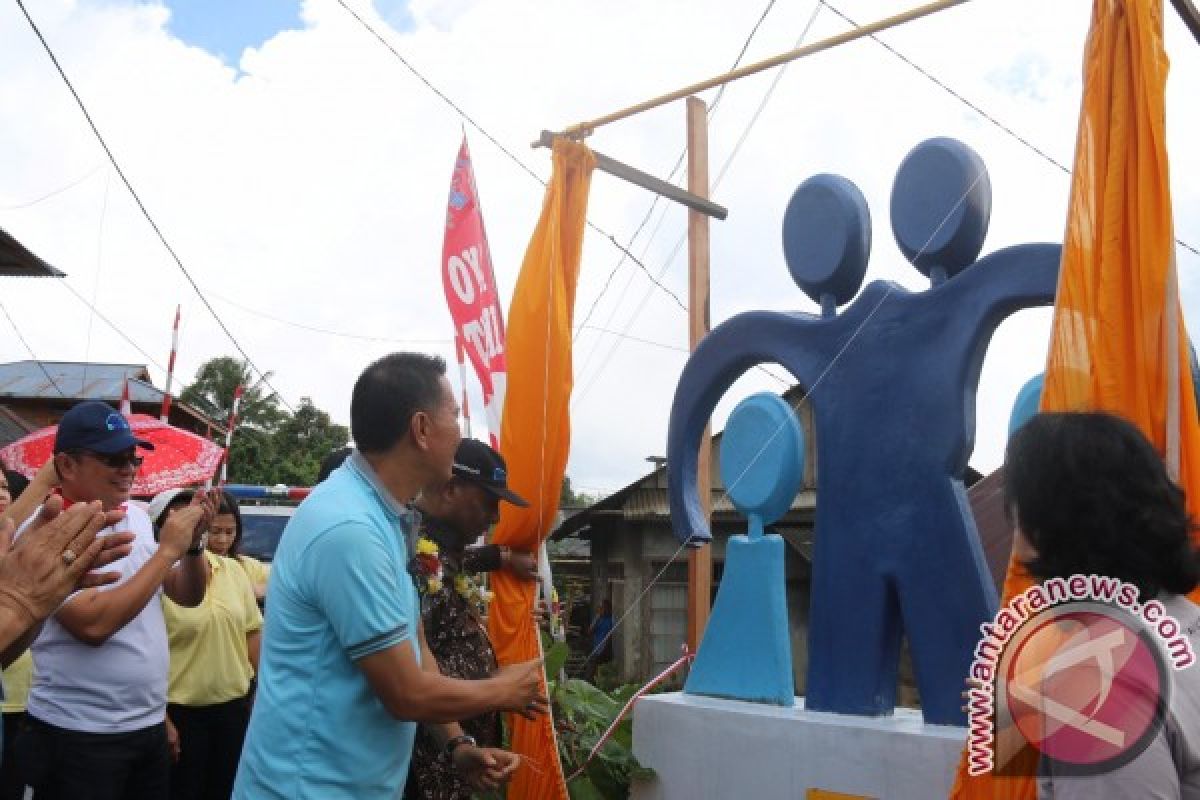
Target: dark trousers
[
  {"x": 12, "y": 787},
  {"x": 210, "y": 746},
  {"x": 70, "y": 765}
]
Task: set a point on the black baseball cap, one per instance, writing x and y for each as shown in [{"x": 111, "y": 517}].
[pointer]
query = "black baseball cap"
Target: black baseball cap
[
  {"x": 96, "y": 426},
  {"x": 478, "y": 463}
]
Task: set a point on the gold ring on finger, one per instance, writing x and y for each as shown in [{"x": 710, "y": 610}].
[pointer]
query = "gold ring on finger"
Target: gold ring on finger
[{"x": 68, "y": 557}]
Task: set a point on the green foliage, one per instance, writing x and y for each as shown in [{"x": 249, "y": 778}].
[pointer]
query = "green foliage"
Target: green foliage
[
  {"x": 556, "y": 658},
  {"x": 569, "y": 498},
  {"x": 583, "y": 713},
  {"x": 212, "y": 393},
  {"x": 302, "y": 440},
  {"x": 607, "y": 677},
  {"x": 270, "y": 445}
]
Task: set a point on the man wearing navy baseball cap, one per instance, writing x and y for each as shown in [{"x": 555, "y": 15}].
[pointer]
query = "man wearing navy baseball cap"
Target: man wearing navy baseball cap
[
  {"x": 95, "y": 719},
  {"x": 479, "y": 464},
  {"x": 95, "y": 446},
  {"x": 453, "y": 606}
]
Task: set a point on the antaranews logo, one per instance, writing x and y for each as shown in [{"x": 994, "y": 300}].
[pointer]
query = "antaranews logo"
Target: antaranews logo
[{"x": 1071, "y": 667}]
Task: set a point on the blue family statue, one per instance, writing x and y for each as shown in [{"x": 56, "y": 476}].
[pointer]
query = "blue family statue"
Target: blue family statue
[{"x": 891, "y": 379}]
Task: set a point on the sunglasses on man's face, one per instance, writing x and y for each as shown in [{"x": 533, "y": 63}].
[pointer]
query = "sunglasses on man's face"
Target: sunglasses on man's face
[{"x": 115, "y": 460}]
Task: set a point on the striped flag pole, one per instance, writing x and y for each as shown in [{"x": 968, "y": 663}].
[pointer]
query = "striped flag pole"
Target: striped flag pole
[
  {"x": 166, "y": 403},
  {"x": 126, "y": 404},
  {"x": 462, "y": 377},
  {"x": 233, "y": 415}
]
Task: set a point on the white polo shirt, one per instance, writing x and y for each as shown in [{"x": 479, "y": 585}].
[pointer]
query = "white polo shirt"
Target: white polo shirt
[{"x": 120, "y": 686}]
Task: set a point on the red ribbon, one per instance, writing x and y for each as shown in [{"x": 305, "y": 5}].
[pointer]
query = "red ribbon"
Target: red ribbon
[{"x": 662, "y": 676}]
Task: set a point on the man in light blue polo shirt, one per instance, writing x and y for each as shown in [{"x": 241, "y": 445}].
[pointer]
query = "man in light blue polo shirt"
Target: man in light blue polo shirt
[{"x": 345, "y": 674}]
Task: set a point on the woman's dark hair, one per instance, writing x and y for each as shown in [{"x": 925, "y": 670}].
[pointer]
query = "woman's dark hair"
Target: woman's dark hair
[
  {"x": 181, "y": 500},
  {"x": 229, "y": 505},
  {"x": 388, "y": 393},
  {"x": 17, "y": 483},
  {"x": 1092, "y": 496}
]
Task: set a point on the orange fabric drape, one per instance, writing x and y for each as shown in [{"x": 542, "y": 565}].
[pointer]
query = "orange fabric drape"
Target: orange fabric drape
[
  {"x": 535, "y": 436},
  {"x": 1118, "y": 342}
]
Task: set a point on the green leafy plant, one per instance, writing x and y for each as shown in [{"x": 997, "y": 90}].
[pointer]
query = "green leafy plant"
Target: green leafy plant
[{"x": 583, "y": 713}]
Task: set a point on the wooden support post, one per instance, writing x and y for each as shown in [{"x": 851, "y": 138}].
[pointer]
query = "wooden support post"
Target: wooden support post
[{"x": 700, "y": 558}]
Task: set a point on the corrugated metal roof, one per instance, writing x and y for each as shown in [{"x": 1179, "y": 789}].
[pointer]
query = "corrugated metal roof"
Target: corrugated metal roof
[
  {"x": 76, "y": 380},
  {"x": 649, "y": 503},
  {"x": 25, "y": 380},
  {"x": 17, "y": 261}
]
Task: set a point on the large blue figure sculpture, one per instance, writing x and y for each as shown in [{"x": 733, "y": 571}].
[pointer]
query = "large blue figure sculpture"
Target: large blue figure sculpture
[{"x": 892, "y": 382}]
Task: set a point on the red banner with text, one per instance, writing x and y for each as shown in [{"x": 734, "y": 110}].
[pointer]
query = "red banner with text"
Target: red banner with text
[{"x": 470, "y": 286}]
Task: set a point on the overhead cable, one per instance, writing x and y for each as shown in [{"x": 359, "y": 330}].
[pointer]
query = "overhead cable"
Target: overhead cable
[{"x": 145, "y": 212}]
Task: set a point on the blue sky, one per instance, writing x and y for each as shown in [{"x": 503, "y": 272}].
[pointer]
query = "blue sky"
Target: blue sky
[{"x": 227, "y": 27}]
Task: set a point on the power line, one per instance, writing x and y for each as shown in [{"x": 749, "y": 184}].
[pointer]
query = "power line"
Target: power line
[
  {"x": 654, "y": 203},
  {"x": 671, "y": 176},
  {"x": 96, "y": 312},
  {"x": 362, "y": 337},
  {"x": 975, "y": 107},
  {"x": 53, "y": 193},
  {"x": 716, "y": 184},
  {"x": 512, "y": 156},
  {"x": 678, "y": 349},
  {"x": 87, "y": 348},
  {"x": 32, "y": 354},
  {"x": 675, "y": 347},
  {"x": 142, "y": 207}
]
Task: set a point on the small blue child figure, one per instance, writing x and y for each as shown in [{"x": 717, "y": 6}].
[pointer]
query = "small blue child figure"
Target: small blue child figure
[
  {"x": 892, "y": 382},
  {"x": 746, "y": 653}
]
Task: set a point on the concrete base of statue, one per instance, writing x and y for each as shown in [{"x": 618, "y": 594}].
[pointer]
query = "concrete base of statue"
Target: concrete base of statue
[{"x": 704, "y": 747}]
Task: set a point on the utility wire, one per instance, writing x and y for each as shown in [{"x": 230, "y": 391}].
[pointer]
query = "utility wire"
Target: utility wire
[
  {"x": 512, "y": 156},
  {"x": 53, "y": 193},
  {"x": 624, "y": 249},
  {"x": 975, "y": 107},
  {"x": 142, "y": 207},
  {"x": 96, "y": 312},
  {"x": 678, "y": 349},
  {"x": 362, "y": 337},
  {"x": 87, "y": 349},
  {"x": 733, "y": 153},
  {"x": 32, "y": 354},
  {"x": 658, "y": 198}
]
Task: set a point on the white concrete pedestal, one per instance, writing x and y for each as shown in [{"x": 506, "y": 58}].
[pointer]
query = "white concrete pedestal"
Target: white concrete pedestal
[{"x": 703, "y": 747}]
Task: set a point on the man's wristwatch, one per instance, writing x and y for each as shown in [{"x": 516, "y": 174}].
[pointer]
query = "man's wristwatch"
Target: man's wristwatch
[
  {"x": 198, "y": 548},
  {"x": 453, "y": 743}
]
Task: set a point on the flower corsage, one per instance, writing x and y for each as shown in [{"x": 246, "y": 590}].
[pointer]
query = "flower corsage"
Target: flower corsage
[{"x": 426, "y": 567}]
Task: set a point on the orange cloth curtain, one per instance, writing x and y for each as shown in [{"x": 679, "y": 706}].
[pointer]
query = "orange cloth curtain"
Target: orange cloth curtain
[
  {"x": 535, "y": 436},
  {"x": 1118, "y": 342}
]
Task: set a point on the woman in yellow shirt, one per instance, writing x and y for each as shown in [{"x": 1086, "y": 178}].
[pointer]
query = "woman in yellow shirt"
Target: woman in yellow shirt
[
  {"x": 214, "y": 655},
  {"x": 225, "y": 536}
]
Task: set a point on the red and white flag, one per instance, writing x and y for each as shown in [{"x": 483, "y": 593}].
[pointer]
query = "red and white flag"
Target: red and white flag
[
  {"x": 470, "y": 286},
  {"x": 166, "y": 403},
  {"x": 230, "y": 425},
  {"x": 126, "y": 405}
]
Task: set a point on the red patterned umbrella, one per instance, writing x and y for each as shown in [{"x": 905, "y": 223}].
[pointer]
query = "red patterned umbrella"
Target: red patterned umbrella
[{"x": 179, "y": 457}]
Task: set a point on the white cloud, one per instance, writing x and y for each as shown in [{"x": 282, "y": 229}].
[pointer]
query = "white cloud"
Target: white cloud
[{"x": 310, "y": 181}]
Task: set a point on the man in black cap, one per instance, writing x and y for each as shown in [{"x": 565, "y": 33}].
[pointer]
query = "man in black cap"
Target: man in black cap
[
  {"x": 95, "y": 720},
  {"x": 454, "y": 604}
]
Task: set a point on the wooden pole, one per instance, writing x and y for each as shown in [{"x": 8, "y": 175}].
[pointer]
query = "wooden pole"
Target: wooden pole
[
  {"x": 646, "y": 181},
  {"x": 586, "y": 128},
  {"x": 700, "y": 558}
]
